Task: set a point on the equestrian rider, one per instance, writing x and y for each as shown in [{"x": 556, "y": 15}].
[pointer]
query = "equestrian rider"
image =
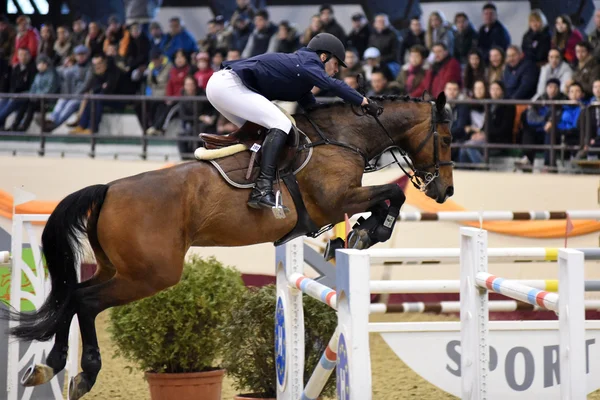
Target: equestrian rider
[{"x": 243, "y": 89}]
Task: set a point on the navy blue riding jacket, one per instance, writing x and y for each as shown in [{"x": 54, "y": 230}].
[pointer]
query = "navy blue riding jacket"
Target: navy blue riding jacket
[{"x": 290, "y": 77}]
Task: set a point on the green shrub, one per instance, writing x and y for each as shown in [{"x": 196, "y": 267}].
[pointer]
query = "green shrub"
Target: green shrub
[
  {"x": 179, "y": 329},
  {"x": 249, "y": 355}
]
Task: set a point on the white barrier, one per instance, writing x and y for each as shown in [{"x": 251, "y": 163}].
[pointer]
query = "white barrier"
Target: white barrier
[
  {"x": 37, "y": 351},
  {"x": 418, "y": 343}
]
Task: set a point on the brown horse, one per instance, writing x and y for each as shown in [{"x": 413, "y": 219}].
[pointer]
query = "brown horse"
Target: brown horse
[{"x": 141, "y": 227}]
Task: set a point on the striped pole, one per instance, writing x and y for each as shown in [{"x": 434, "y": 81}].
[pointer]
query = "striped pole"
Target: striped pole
[
  {"x": 517, "y": 291},
  {"x": 499, "y": 215},
  {"x": 443, "y": 307},
  {"x": 321, "y": 374},
  {"x": 314, "y": 289}
]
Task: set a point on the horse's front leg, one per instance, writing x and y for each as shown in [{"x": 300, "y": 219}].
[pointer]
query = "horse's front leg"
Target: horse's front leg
[{"x": 379, "y": 226}]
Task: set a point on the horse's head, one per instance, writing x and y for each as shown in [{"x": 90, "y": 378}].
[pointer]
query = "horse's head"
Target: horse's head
[{"x": 428, "y": 145}]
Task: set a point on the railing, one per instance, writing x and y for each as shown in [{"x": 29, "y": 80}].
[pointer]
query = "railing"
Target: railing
[{"x": 145, "y": 140}]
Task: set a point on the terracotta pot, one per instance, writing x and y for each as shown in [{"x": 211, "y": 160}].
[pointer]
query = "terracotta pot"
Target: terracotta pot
[
  {"x": 187, "y": 386},
  {"x": 251, "y": 396}
]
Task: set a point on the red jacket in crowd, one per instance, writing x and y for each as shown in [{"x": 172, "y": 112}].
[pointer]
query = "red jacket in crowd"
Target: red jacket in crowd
[
  {"x": 28, "y": 40},
  {"x": 202, "y": 77},
  {"x": 441, "y": 73},
  {"x": 176, "y": 80}
]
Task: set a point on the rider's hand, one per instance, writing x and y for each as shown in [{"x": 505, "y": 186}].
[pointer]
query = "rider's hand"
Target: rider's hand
[{"x": 372, "y": 108}]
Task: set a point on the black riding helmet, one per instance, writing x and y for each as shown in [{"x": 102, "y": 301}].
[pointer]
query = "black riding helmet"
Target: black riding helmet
[{"x": 328, "y": 43}]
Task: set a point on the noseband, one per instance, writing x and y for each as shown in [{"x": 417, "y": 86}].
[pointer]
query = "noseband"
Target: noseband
[{"x": 420, "y": 177}]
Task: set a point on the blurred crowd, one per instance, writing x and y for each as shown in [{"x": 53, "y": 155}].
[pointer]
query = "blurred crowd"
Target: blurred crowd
[{"x": 550, "y": 62}]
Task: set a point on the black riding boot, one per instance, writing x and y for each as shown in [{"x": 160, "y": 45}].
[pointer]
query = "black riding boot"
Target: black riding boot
[{"x": 262, "y": 195}]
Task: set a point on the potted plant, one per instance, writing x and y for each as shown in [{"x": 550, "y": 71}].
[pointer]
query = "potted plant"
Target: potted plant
[
  {"x": 249, "y": 356},
  {"x": 175, "y": 336}
]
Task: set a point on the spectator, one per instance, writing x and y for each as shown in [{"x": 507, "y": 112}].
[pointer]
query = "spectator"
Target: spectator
[
  {"x": 259, "y": 39},
  {"x": 26, "y": 37},
  {"x": 175, "y": 83},
  {"x": 353, "y": 66},
  {"x": 594, "y": 127},
  {"x": 46, "y": 43},
  {"x": 117, "y": 35},
  {"x": 79, "y": 31},
  {"x": 565, "y": 38},
  {"x": 217, "y": 60},
  {"x": 242, "y": 29},
  {"x": 520, "y": 75},
  {"x": 218, "y": 38},
  {"x": 474, "y": 71},
  {"x": 46, "y": 81},
  {"x": 105, "y": 80},
  {"x": 158, "y": 40},
  {"x": 537, "y": 40},
  {"x": 587, "y": 69},
  {"x": 439, "y": 30},
  {"x": 179, "y": 39},
  {"x": 380, "y": 86},
  {"x": 315, "y": 27},
  {"x": 244, "y": 9},
  {"x": 224, "y": 126},
  {"x": 7, "y": 42},
  {"x": 95, "y": 40},
  {"x": 330, "y": 25},
  {"x": 477, "y": 111},
  {"x": 204, "y": 71},
  {"x": 372, "y": 57},
  {"x": 465, "y": 38},
  {"x": 571, "y": 119},
  {"x": 138, "y": 54},
  {"x": 234, "y": 54},
  {"x": 286, "y": 40},
  {"x": 157, "y": 77},
  {"x": 499, "y": 127},
  {"x": 74, "y": 81},
  {"x": 495, "y": 71},
  {"x": 412, "y": 77},
  {"x": 359, "y": 35},
  {"x": 63, "y": 45},
  {"x": 444, "y": 69},
  {"x": 141, "y": 12},
  {"x": 205, "y": 112},
  {"x": 415, "y": 35},
  {"x": 384, "y": 38},
  {"x": 556, "y": 68},
  {"x": 352, "y": 81},
  {"x": 460, "y": 115},
  {"x": 21, "y": 79},
  {"x": 492, "y": 33},
  {"x": 535, "y": 117},
  {"x": 594, "y": 36}
]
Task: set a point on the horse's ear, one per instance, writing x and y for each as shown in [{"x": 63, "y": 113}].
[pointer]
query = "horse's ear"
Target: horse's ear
[
  {"x": 440, "y": 102},
  {"x": 426, "y": 96}
]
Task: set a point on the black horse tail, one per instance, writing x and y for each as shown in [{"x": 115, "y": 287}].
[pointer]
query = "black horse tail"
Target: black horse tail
[{"x": 61, "y": 245}]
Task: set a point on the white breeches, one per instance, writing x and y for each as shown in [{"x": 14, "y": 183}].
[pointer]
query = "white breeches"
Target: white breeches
[{"x": 228, "y": 94}]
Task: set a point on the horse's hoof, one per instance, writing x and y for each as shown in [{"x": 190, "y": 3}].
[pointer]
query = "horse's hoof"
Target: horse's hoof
[
  {"x": 37, "y": 375},
  {"x": 78, "y": 387},
  {"x": 331, "y": 247},
  {"x": 359, "y": 239}
]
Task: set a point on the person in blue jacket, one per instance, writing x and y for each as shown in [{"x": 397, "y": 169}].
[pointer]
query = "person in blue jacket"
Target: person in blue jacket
[
  {"x": 243, "y": 89},
  {"x": 178, "y": 39}
]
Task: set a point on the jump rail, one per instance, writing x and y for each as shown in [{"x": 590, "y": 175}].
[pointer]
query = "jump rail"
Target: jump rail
[{"x": 475, "y": 216}]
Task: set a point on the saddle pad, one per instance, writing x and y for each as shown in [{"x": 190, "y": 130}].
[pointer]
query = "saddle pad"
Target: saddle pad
[{"x": 233, "y": 168}]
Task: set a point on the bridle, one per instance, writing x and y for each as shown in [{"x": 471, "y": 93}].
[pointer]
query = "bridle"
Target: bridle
[{"x": 420, "y": 177}]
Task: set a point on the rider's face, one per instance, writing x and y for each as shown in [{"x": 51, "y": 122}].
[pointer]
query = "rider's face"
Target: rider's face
[{"x": 332, "y": 66}]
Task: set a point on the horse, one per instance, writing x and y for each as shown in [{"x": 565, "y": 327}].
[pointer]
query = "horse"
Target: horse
[{"x": 141, "y": 227}]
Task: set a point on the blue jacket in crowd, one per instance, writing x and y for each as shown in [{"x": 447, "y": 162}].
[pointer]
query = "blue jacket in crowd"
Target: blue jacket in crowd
[
  {"x": 496, "y": 35},
  {"x": 290, "y": 77},
  {"x": 569, "y": 118},
  {"x": 520, "y": 81},
  {"x": 183, "y": 40}
]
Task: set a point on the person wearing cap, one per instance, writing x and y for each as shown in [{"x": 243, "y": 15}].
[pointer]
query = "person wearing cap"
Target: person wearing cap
[
  {"x": 258, "y": 43},
  {"x": 244, "y": 9},
  {"x": 372, "y": 59},
  {"x": 243, "y": 90},
  {"x": 204, "y": 72},
  {"x": 74, "y": 81},
  {"x": 359, "y": 35},
  {"x": 218, "y": 37},
  {"x": 179, "y": 38},
  {"x": 330, "y": 25},
  {"x": 158, "y": 39},
  {"x": 535, "y": 117},
  {"x": 118, "y": 35},
  {"x": 26, "y": 37}
]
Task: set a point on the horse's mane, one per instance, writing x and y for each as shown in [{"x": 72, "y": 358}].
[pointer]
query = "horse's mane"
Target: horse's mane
[{"x": 341, "y": 103}]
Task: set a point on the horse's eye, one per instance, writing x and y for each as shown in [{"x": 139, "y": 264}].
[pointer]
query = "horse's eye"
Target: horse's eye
[{"x": 447, "y": 140}]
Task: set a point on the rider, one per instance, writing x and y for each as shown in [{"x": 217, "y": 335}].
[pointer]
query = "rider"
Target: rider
[{"x": 243, "y": 89}]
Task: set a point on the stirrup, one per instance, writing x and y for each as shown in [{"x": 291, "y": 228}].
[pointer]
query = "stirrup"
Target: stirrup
[{"x": 279, "y": 210}]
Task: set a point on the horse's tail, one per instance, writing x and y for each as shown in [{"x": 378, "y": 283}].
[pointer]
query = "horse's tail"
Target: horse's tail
[{"x": 62, "y": 249}]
